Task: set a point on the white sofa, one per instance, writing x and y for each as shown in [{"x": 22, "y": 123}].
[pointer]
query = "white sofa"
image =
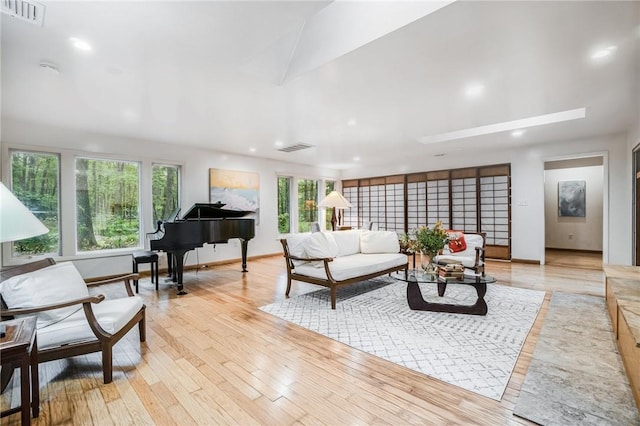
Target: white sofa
[{"x": 335, "y": 259}]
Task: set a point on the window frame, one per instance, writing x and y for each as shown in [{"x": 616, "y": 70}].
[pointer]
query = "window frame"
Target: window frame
[
  {"x": 7, "y": 248},
  {"x": 293, "y": 199},
  {"x": 67, "y": 204}
]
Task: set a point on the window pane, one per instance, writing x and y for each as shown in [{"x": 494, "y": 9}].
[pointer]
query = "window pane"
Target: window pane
[
  {"x": 107, "y": 204},
  {"x": 34, "y": 181},
  {"x": 284, "y": 204},
  {"x": 165, "y": 190},
  {"x": 329, "y": 186},
  {"x": 307, "y": 204}
]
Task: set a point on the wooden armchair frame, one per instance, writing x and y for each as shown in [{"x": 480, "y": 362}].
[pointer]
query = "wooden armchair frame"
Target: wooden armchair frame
[{"x": 104, "y": 341}]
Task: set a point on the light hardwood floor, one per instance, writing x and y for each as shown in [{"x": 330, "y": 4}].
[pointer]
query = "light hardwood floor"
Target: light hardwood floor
[{"x": 212, "y": 357}]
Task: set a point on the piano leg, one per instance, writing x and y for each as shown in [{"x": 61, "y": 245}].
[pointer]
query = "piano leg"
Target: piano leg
[
  {"x": 178, "y": 270},
  {"x": 169, "y": 265},
  {"x": 244, "y": 244}
]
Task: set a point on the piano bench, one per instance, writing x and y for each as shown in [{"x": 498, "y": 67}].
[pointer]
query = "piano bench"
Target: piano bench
[{"x": 146, "y": 256}]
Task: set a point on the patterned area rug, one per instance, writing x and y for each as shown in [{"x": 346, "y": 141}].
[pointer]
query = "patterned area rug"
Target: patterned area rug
[
  {"x": 576, "y": 375},
  {"x": 477, "y": 353}
]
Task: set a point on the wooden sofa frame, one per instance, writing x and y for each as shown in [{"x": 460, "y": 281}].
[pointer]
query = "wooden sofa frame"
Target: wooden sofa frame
[
  {"x": 104, "y": 341},
  {"x": 330, "y": 281}
]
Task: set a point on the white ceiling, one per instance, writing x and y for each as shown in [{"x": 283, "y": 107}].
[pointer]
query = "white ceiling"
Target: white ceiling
[{"x": 232, "y": 76}]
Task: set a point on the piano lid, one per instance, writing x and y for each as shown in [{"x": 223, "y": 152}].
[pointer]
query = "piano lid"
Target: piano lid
[{"x": 211, "y": 211}]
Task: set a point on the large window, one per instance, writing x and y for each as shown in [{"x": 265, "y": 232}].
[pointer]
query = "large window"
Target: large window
[
  {"x": 107, "y": 198},
  {"x": 307, "y": 204},
  {"x": 165, "y": 190},
  {"x": 284, "y": 204},
  {"x": 34, "y": 181}
]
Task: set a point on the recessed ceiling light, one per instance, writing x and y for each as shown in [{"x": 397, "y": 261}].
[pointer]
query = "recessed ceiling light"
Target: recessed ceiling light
[
  {"x": 474, "y": 90},
  {"x": 252, "y": 150},
  {"x": 518, "y": 133},
  {"x": 356, "y": 158},
  {"x": 603, "y": 53},
  {"x": 279, "y": 143},
  {"x": 80, "y": 44},
  {"x": 352, "y": 122}
]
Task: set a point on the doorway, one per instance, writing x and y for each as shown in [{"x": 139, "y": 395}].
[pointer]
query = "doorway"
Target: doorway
[
  {"x": 573, "y": 194},
  {"x": 636, "y": 202}
]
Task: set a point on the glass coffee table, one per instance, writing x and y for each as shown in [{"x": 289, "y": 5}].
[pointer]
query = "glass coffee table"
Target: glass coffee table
[{"x": 416, "y": 302}]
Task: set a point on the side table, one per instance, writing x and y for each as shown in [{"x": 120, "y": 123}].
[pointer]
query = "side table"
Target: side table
[{"x": 19, "y": 347}]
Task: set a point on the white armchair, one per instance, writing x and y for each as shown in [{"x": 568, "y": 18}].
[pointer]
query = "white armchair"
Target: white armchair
[
  {"x": 70, "y": 322},
  {"x": 472, "y": 256}
]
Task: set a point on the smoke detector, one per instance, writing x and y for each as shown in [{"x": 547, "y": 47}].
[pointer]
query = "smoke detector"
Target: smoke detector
[
  {"x": 25, "y": 10},
  {"x": 53, "y": 68}
]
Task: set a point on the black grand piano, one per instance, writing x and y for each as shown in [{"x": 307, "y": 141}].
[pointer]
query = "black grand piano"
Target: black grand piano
[{"x": 202, "y": 223}]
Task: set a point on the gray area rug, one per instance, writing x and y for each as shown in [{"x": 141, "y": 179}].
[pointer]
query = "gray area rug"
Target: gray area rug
[
  {"x": 477, "y": 353},
  {"x": 576, "y": 376}
]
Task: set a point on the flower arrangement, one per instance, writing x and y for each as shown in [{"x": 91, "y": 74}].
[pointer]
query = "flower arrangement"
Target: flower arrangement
[{"x": 430, "y": 240}]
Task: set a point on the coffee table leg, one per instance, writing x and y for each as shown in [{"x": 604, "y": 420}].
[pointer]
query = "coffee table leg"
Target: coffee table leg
[{"x": 417, "y": 303}]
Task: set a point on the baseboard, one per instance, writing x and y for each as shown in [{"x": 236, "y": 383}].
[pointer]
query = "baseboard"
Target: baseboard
[
  {"x": 574, "y": 250},
  {"x": 146, "y": 273},
  {"x": 529, "y": 261}
]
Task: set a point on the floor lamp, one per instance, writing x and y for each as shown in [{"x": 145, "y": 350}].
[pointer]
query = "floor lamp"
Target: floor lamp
[{"x": 335, "y": 200}]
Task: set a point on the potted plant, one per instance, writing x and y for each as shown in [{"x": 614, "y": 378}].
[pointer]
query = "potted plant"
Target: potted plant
[{"x": 429, "y": 242}]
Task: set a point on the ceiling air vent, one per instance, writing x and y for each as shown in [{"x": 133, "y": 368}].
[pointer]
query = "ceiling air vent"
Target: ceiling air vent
[
  {"x": 296, "y": 147},
  {"x": 29, "y": 11}
]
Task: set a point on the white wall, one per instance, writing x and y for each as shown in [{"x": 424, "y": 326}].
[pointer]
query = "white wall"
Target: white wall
[
  {"x": 578, "y": 233},
  {"x": 527, "y": 179},
  {"x": 195, "y": 180},
  {"x": 527, "y": 189}
]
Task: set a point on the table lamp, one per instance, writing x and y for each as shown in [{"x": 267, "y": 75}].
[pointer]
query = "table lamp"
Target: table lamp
[{"x": 335, "y": 200}]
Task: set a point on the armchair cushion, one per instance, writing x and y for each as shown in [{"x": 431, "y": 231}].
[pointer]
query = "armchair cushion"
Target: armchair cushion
[
  {"x": 54, "y": 284},
  {"x": 112, "y": 315}
]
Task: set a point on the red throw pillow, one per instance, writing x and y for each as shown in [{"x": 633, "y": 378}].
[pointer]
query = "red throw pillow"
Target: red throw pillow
[{"x": 456, "y": 241}]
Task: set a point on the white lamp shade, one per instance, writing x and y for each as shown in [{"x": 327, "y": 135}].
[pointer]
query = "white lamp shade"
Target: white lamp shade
[
  {"x": 16, "y": 221},
  {"x": 335, "y": 199}
]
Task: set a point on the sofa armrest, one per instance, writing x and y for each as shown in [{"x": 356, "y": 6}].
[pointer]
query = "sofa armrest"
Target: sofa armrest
[
  {"x": 25, "y": 311},
  {"x": 310, "y": 259}
]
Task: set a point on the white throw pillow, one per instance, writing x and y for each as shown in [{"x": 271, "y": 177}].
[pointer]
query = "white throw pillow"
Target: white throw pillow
[
  {"x": 54, "y": 284},
  {"x": 379, "y": 242},
  {"x": 348, "y": 242},
  {"x": 321, "y": 245}
]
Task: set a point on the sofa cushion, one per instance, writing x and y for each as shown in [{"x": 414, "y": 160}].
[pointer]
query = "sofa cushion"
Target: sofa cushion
[
  {"x": 296, "y": 244},
  {"x": 355, "y": 265},
  {"x": 320, "y": 245},
  {"x": 348, "y": 242},
  {"x": 54, "y": 284},
  {"x": 112, "y": 315},
  {"x": 379, "y": 242}
]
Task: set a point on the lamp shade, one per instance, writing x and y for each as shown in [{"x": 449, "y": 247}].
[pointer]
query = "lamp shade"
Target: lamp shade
[
  {"x": 335, "y": 199},
  {"x": 16, "y": 221}
]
